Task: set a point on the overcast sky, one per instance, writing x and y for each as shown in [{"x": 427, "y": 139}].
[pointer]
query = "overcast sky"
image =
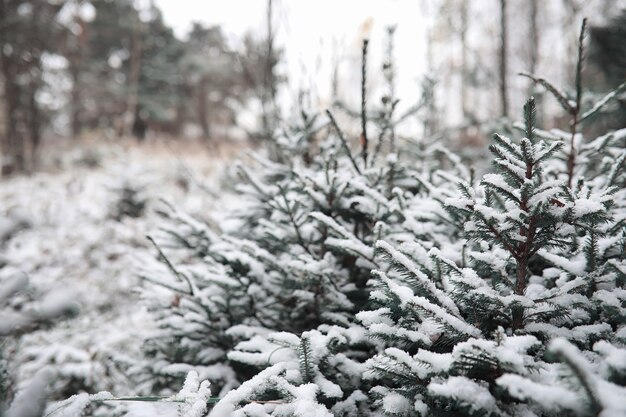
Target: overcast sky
[{"x": 314, "y": 32}]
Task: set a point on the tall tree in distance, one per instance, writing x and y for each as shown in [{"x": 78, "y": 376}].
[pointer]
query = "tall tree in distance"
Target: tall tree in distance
[
  {"x": 73, "y": 46},
  {"x": 533, "y": 31},
  {"x": 607, "y": 53},
  {"x": 101, "y": 89},
  {"x": 463, "y": 35},
  {"x": 571, "y": 14},
  {"x": 504, "y": 107},
  {"x": 211, "y": 80},
  {"x": 533, "y": 61},
  {"x": 27, "y": 32},
  {"x": 158, "y": 93},
  {"x": 269, "y": 68},
  {"x": 259, "y": 59},
  {"x": 132, "y": 116}
]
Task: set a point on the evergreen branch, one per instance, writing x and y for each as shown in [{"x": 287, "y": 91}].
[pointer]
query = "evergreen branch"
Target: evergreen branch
[
  {"x": 571, "y": 356},
  {"x": 164, "y": 285},
  {"x": 602, "y": 102},
  {"x": 170, "y": 266},
  {"x": 444, "y": 317},
  {"x": 530, "y": 118},
  {"x": 404, "y": 264},
  {"x": 579, "y": 64},
  {"x": 552, "y": 89},
  {"x": 616, "y": 169},
  {"x": 571, "y": 159},
  {"x": 252, "y": 180},
  {"x": 411, "y": 110},
  {"x": 306, "y": 369},
  {"x": 504, "y": 142},
  {"x": 293, "y": 221},
  {"x": 388, "y": 125},
  {"x": 266, "y": 402},
  {"x": 342, "y": 139},
  {"x": 189, "y": 297},
  {"x": 513, "y": 251},
  {"x": 591, "y": 251},
  {"x": 269, "y": 358},
  {"x": 364, "y": 140},
  {"x": 508, "y": 172},
  {"x": 528, "y": 153},
  {"x": 502, "y": 190},
  {"x": 547, "y": 153},
  {"x": 540, "y": 133}
]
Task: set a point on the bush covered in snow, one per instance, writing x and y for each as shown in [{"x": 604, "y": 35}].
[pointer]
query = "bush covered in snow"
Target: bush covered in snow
[
  {"x": 381, "y": 282},
  {"x": 294, "y": 258},
  {"x": 60, "y": 243},
  {"x": 369, "y": 275}
]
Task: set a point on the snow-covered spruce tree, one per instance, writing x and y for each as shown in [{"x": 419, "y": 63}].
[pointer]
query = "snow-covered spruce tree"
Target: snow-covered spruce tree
[
  {"x": 529, "y": 321},
  {"x": 284, "y": 287}
]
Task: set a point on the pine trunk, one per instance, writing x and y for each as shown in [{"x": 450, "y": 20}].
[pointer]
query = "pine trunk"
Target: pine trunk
[{"x": 504, "y": 109}]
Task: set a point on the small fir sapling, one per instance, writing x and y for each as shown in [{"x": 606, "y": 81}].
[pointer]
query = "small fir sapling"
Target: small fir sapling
[{"x": 130, "y": 201}]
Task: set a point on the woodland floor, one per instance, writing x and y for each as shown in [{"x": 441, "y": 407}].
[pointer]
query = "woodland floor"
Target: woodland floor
[{"x": 59, "y": 227}]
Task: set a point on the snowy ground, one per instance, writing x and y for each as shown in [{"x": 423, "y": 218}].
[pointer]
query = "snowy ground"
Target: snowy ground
[{"x": 60, "y": 229}]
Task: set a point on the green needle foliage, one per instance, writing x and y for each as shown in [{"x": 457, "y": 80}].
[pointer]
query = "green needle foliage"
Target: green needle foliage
[
  {"x": 389, "y": 280},
  {"x": 529, "y": 323}
]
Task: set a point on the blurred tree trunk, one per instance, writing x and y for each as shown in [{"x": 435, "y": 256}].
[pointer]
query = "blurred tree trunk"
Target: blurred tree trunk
[
  {"x": 12, "y": 157},
  {"x": 269, "y": 87},
  {"x": 75, "y": 100},
  {"x": 134, "y": 121},
  {"x": 8, "y": 128},
  {"x": 75, "y": 69},
  {"x": 12, "y": 160},
  {"x": 34, "y": 124},
  {"x": 34, "y": 118},
  {"x": 27, "y": 30},
  {"x": 431, "y": 122},
  {"x": 533, "y": 36},
  {"x": 571, "y": 20},
  {"x": 181, "y": 114},
  {"x": 203, "y": 109},
  {"x": 504, "y": 109},
  {"x": 463, "y": 35}
]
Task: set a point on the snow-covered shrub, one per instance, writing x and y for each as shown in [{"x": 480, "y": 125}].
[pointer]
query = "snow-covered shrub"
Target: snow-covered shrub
[
  {"x": 281, "y": 287},
  {"x": 471, "y": 334},
  {"x": 501, "y": 295},
  {"x": 301, "y": 258},
  {"x": 74, "y": 246},
  {"x": 528, "y": 319},
  {"x": 131, "y": 201}
]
